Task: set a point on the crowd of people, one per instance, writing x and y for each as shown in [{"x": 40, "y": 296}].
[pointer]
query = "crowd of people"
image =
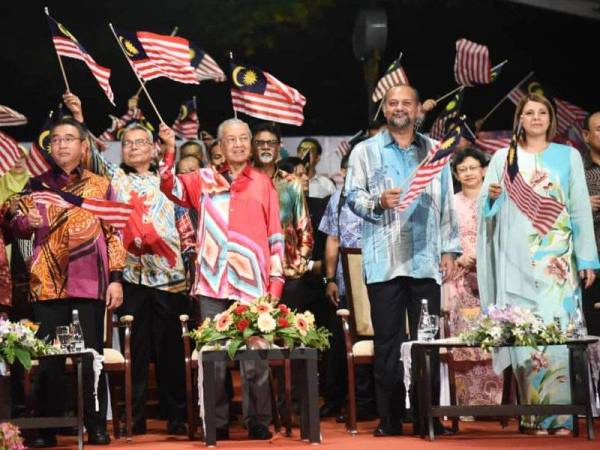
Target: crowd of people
[{"x": 233, "y": 219}]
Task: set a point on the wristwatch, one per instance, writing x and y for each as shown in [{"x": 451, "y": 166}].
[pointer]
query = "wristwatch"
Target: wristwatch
[{"x": 326, "y": 281}]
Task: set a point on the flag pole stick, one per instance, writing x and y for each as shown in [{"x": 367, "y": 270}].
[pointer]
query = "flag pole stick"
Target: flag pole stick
[
  {"x": 196, "y": 109},
  {"x": 60, "y": 63},
  {"x": 447, "y": 94},
  {"x": 231, "y": 60},
  {"x": 381, "y": 101},
  {"x": 136, "y": 74},
  {"x": 173, "y": 33},
  {"x": 479, "y": 123}
]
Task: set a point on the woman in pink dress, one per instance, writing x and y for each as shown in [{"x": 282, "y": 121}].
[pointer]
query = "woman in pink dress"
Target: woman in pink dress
[{"x": 475, "y": 381}]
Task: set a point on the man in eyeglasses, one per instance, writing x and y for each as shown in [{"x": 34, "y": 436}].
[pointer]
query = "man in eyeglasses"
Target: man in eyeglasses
[
  {"x": 240, "y": 253},
  {"x": 154, "y": 287},
  {"x": 77, "y": 264}
]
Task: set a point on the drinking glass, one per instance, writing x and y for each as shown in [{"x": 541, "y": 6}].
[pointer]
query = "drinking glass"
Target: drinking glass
[{"x": 63, "y": 333}]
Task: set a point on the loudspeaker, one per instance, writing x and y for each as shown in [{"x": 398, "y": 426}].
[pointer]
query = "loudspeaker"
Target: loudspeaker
[{"x": 370, "y": 32}]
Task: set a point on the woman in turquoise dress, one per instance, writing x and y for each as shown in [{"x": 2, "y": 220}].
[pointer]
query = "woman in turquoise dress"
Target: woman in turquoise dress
[{"x": 518, "y": 265}]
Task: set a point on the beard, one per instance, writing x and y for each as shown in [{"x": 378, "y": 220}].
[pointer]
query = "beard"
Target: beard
[
  {"x": 400, "y": 121},
  {"x": 266, "y": 157}
]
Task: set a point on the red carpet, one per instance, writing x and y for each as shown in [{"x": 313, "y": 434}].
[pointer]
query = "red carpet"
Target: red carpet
[{"x": 472, "y": 435}]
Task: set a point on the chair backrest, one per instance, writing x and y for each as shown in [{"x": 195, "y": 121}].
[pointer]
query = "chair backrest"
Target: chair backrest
[{"x": 356, "y": 293}]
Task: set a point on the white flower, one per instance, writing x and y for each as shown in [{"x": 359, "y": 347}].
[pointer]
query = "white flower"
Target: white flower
[
  {"x": 309, "y": 317},
  {"x": 266, "y": 323}
]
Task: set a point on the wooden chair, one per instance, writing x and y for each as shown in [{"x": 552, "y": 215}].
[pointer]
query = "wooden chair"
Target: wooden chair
[
  {"x": 356, "y": 324},
  {"x": 191, "y": 386},
  {"x": 114, "y": 362}
]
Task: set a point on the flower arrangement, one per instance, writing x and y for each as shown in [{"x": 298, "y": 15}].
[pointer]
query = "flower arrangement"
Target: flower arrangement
[
  {"x": 10, "y": 437},
  {"x": 262, "y": 318},
  {"x": 512, "y": 325},
  {"x": 18, "y": 342}
]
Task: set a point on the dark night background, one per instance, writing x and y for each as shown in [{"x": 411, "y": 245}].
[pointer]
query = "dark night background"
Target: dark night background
[{"x": 305, "y": 43}]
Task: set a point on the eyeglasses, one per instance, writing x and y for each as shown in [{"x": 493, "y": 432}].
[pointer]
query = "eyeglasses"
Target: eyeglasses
[
  {"x": 270, "y": 143},
  {"x": 135, "y": 142},
  {"x": 57, "y": 140},
  {"x": 462, "y": 170},
  {"x": 231, "y": 140}
]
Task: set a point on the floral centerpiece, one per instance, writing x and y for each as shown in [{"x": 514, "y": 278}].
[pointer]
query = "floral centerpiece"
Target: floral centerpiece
[
  {"x": 514, "y": 326},
  {"x": 264, "y": 319},
  {"x": 18, "y": 342},
  {"x": 10, "y": 437}
]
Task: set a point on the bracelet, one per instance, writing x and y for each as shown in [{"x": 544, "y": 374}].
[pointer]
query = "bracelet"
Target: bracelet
[{"x": 310, "y": 265}]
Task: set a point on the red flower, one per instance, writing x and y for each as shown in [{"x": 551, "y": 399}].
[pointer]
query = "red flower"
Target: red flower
[
  {"x": 241, "y": 309},
  {"x": 283, "y": 323},
  {"x": 283, "y": 309},
  {"x": 242, "y": 324}
]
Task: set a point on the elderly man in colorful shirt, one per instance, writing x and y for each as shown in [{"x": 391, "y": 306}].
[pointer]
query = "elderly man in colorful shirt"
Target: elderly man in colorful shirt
[
  {"x": 240, "y": 252},
  {"x": 77, "y": 264},
  {"x": 405, "y": 254},
  {"x": 154, "y": 276}
]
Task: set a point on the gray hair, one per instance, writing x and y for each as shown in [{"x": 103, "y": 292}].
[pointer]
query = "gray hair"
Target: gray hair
[
  {"x": 135, "y": 128},
  {"x": 228, "y": 122}
]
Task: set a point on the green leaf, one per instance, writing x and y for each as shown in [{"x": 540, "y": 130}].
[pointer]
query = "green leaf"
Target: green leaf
[
  {"x": 24, "y": 357},
  {"x": 233, "y": 347}
]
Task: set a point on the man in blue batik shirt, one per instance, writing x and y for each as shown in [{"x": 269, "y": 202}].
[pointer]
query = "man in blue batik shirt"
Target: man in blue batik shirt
[{"x": 406, "y": 255}]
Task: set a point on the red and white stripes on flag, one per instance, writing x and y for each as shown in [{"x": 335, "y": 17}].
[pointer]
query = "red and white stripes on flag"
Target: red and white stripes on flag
[
  {"x": 115, "y": 213},
  {"x": 188, "y": 128},
  {"x": 276, "y": 101},
  {"x": 568, "y": 114},
  {"x": 541, "y": 211},
  {"x": 491, "y": 141},
  {"x": 395, "y": 76},
  {"x": 9, "y": 153},
  {"x": 66, "y": 45},
  {"x": 168, "y": 56},
  {"x": 36, "y": 162},
  {"x": 472, "y": 64},
  {"x": 11, "y": 118},
  {"x": 516, "y": 94},
  {"x": 434, "y": 162}
]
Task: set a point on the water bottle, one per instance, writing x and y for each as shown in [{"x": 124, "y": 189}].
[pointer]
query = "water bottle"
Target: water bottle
[
  {"x": 77, "y": 341},
  {"x": 424, "y": 330}
]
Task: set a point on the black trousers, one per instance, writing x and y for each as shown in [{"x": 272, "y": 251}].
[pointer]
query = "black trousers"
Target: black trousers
[
  {"x": 390, "y": 302},
  {"x": 592, "y": 315},
  {"x": 49, "y": 387},
  {"x": 156, "y": 330}
]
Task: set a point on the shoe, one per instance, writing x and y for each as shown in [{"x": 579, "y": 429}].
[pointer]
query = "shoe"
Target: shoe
[
  {"x": 560, "y": 432},
  {"x": 99, "y": 437},
  {"x": 259, "y": 432},
  {"x": 329, "y": 410},
  {"x": 535, "y": 431},
  {"x": 441, "y": 430},
  {"x": 42, "y": 441},
  {"x": 341, "y": 418},
  {"x": 222, "y": 434},
  {"x": 383, "y": 430},
  {"x": 176, "y": 428}
]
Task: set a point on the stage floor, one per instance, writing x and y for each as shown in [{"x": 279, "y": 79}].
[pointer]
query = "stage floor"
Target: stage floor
[{"x": 473, "y": 435}]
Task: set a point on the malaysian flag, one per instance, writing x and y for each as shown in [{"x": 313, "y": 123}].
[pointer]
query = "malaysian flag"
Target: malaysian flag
[
  {"x": 115, "y": 213},
  {"x": 434, "y": 162},
  {"x": 541, "y": 211},
  {"x": 186, "y": 125},
  {"x": 206, "y": 67},
  {"x": 118, "y": 124},
  {"x": 394, "y": 76},
  {"x": 491, "y": 141},
  {"x": 11, "y": 118},
  {"x": 158, "y": 55},
  {"x": 10, "y": 153},
  {"x": 533, "y": 86},
  {"x": 447, "y": 116},
  {"x": 573, "y": 136},
  {"x": 568, "y": 114},
  {"x": 472, "y": 64},
  {"x": 66, "y": 45},
  {"x": 259, "y": 94}
]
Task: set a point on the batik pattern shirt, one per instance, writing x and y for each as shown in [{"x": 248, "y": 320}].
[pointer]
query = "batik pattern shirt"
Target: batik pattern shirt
[
  {"x": 75, "y": 254},
  {"x": 408, "y": 243},
  {"x": 295, "y": 223},
  {"x": 156, "y": 233},
  {"x": 346, "y": 226},
  {"x": 239, "y": 239}
]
